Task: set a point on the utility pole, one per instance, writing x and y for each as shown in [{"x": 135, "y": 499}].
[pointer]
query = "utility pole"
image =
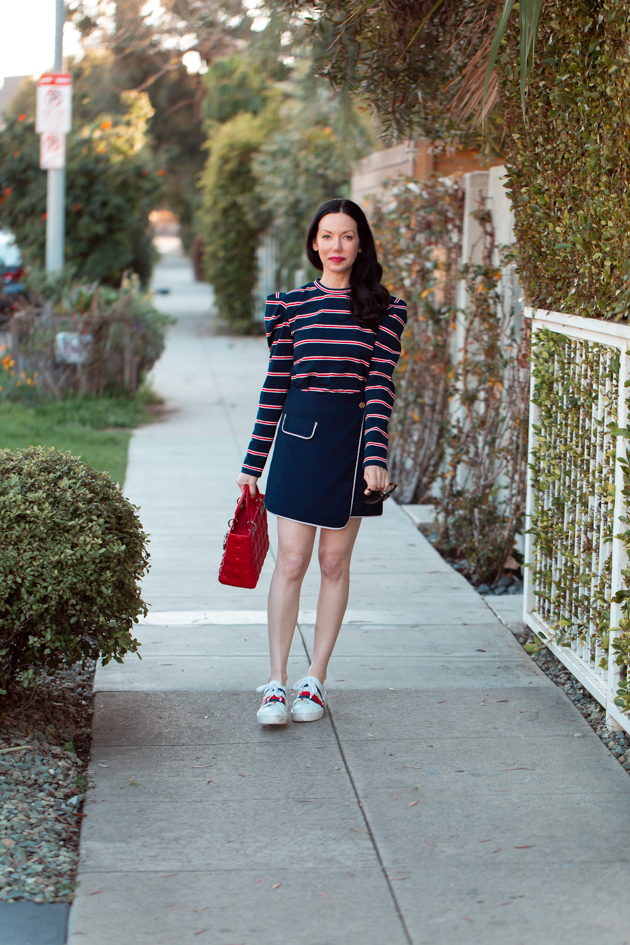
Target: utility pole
[{"x": 56, "y": 190}]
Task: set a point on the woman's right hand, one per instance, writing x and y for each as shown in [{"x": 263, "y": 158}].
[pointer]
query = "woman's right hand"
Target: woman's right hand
[{"x": 251, "y": 481}]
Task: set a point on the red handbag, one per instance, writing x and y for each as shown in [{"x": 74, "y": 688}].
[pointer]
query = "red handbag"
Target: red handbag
[{"x": 247, "y": 542}]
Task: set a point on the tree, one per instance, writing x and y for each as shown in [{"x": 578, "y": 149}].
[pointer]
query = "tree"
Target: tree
[
  {"x": 140, "y": 52},
  {"x": 427, "y": 68},
  {"x": 112, "y": 184},
  {"x": 280, "y": 143},
  {"x": 307, "y": 160},
  {"x": 229, "y": 219},
  {"x": 420, "y": 65}
]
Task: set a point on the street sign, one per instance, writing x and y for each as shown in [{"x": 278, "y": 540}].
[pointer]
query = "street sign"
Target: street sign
[
  {"x": 52, "y": 151},
  {"x": 54, "y": 103}
]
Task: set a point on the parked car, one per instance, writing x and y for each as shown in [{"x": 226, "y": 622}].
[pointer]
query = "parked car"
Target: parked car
[
  {"x": 11, "y": 265},
  {"x": 11, "y": 273}
]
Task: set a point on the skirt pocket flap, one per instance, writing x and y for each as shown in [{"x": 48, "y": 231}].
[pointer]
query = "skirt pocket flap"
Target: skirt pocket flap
[{"x": 295, "y": 426}]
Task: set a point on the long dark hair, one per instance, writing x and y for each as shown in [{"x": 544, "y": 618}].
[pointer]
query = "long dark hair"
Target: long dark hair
[{"x": 368, "y": 296}]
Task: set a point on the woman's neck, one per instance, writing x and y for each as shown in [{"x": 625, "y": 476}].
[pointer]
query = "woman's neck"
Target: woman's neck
[{"x": 335, "y": 280}]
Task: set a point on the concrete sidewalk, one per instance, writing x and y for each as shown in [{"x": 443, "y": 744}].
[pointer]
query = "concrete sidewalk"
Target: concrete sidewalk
[{"x": 445, "y": 798}]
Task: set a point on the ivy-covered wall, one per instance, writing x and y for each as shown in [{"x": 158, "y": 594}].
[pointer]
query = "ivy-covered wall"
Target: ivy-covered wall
[
  {"x": 568, "y": 158},
  {"x": 459, "y": 427}
]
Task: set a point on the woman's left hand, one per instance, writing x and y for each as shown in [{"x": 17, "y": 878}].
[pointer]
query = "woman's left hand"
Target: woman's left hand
[{"x": 377, "y": 478}]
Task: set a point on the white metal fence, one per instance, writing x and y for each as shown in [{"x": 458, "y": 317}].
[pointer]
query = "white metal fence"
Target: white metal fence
[{"x": 575, "y": 504}]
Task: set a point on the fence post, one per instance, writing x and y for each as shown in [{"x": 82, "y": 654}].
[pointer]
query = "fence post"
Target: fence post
[
  {"x": 619, "y": 556},
  {"x": 529, "y": 597}
]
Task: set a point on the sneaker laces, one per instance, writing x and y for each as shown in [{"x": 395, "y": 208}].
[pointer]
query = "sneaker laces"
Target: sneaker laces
[
  {"x": 310, "y": 688},
  {"x": 273, "y": 692}
]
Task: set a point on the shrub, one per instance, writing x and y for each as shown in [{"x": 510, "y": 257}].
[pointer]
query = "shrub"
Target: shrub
[
  {"x": 121, "y": 336},
  {"x": 112, "y": 184},
  {"x": 229, "y": 219},
  {"x": 72, "y": 551}
]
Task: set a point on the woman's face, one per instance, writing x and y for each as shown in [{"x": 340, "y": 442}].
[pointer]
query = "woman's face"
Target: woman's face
[{"x": 337, "y": 243}]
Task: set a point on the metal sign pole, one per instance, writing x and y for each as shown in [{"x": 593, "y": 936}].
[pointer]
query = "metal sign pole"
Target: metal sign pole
[{"x": 56, "y": 190}]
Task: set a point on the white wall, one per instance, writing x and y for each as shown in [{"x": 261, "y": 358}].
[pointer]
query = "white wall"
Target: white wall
[{"x": 370, "y": 173}]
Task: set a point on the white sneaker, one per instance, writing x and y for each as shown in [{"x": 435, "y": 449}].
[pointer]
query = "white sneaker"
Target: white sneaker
[
  {"x": 310, "y": 701},
  {"x": 273, "y": 709}
]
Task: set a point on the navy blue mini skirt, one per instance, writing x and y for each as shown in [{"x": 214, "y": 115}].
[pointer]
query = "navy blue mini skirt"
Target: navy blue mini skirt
[{"x": 316, "y": 472}]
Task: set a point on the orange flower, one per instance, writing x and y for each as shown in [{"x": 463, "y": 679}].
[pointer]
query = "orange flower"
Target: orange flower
[
  {"x": 22, "y": 117},
  {"x": 105, "y": 125},
  {"x": 7, "y": 362},
  {"x": 162, "y": 173},
  {"x": 43, "y": 216}
]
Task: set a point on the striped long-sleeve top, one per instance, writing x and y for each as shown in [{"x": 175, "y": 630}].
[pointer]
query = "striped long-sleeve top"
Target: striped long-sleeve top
[{"x": 317, "y": 345}]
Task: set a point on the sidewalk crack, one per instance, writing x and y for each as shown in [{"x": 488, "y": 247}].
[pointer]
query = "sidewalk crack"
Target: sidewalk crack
[{"x": 366, "y": 820}]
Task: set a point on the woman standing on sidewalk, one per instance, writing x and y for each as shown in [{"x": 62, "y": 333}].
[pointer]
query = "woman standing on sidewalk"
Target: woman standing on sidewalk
[{"x": 334, "y": 345}]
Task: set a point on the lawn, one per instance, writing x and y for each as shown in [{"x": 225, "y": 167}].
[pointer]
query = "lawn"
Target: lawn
[{"x": 97, "y": 429}]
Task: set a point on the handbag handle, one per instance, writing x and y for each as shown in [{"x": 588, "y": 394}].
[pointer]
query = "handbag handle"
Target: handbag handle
[{"x": 249, "y": 502}]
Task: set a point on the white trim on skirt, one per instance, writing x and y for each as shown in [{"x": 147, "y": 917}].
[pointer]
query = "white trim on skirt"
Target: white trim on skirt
[{"x": 354, "y": 485}]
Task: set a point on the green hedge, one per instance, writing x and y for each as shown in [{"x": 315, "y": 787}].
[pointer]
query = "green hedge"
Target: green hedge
[
  {"x": 569, "y": 159},
  {"x": 72, "y": 553},
  {"x": 229, "y": 220}
]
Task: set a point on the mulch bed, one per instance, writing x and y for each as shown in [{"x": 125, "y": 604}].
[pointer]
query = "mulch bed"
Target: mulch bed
[{"x": 42, "y": 784}]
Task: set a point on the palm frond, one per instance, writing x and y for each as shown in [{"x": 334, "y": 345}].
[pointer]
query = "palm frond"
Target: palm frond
[
  {"x": 529, "y": 13},
  {"x": 475, "y": 98}
]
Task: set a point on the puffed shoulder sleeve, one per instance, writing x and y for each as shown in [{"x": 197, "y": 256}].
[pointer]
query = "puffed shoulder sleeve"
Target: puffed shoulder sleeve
[
  {"x": 275, "y": 314},
  {"x": 380, "y": 389},
  {"x": 276, "y": 386}
]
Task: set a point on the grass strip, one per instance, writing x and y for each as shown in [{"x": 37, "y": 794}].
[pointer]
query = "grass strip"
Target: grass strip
[{"x": 96, "y": 429}]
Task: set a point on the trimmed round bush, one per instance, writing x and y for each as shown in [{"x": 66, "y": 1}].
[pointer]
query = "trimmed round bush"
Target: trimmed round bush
[{"x": 72, "y": 553}]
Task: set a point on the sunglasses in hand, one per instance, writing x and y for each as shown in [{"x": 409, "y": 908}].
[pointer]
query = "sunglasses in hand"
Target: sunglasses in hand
[{"x": 371, "y": 498}]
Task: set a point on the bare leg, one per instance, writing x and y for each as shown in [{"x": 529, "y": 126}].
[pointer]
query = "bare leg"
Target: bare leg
[
  {"x": 295, "y": 548},
  {"x": 335, "y": 552}
]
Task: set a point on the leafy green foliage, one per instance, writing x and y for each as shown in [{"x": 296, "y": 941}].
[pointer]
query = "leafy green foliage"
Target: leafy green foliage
[
  {"x": 229, "y": 219},
  {"x": 573, "y": 481},
  {"x": 569, "y": 159},
  {"x": 481, "y": 501},
  {"x": 125, "y": 50},
  {"x": 72, "y": 552},
  {"x": 112, "y": 184},
  {"x": 529, "y": 15},
  {"x": 124, "y": 335},
  {"x": 95, "y": 429},
  {"x": 233, "y": 85},
  {"x": 279, "y": 145},
  {"x": 108, "y": 410},
  {"x": 306, "y": 160},
  {"x": 620, "y": 645},
  {"x": 419, "y": 232},
  {"x": 459, "y": 421},
  {"x": 420, "y": 65}
]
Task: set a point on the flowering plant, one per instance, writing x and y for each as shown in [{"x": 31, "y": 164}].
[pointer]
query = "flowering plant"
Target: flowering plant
[{"x": 14, "y": 384}]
